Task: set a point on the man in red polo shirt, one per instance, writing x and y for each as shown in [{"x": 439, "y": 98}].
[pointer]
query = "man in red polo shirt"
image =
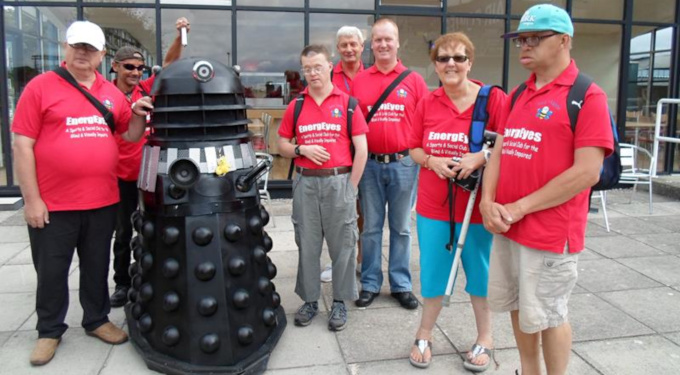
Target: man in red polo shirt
[
  {"x": 128, "y": 64},
  {"x": 535, "y": 191},
  {"x": 66, "y": 160},
  {"x": 325, "y": 188},
  {"x": 390, "y": 176},
  {"x": 350, "y": 46}
]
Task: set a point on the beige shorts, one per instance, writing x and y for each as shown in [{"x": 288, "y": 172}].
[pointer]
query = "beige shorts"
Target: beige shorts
[{"x": 537, "y": 283}]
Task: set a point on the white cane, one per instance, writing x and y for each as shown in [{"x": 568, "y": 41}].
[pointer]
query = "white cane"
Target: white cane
[{"x": 489, "y": 138}]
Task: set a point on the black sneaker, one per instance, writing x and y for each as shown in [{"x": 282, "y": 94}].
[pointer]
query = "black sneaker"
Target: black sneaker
[
  {"x": 406, "y": 299},
  {"x": 338, "y": 316},
  {"x": 120, "y": 296},
  {"x": 305, "y": 314}
]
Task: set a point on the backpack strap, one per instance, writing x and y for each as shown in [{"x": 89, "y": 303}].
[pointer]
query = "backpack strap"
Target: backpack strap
[
  {"x": 351, "y": 105},
  {"x": 108, "y": 116},
  {"x": 299, "y": 101},
  {"x": 520, "y": 89},
  {"x": 386, "y": 93},
  {"x": 480, "y": 117},
  {"x": 576, "y": 96}
]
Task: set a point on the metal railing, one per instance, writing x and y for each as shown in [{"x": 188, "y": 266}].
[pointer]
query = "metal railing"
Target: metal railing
[{"x": 657, "y": 130}]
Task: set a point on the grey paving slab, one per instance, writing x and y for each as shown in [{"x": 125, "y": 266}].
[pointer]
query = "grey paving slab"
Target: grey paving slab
[
  {"x": 603, "y": 275},
  {"x": 77, "y": 354},
  {"x": 657, "y": 308},
  {"x": 381, "y": 334},
  {"x": 592, "y": 318},
  {"x": 640, "y": 209},
  {"x": 11, "y": 250},
  {"x": 675, "y": 337},
  {"x": 664, "y": 269},
  {"x": 631, "y": 356},
  {"x": 283, "y": 241},
  {"x": 620, "y": 247},
  {"x": 17, "y": 307},
  {"x": 286, "y": 263},
  {"x": 4, "y": 215},
  {"x": 634, "y": 225},
  {"x": 74, "y": 316},
  {"x": 457, "y": 322},
  {"x": 597, "y": 229},
  {"x": 450, "y": 364},
  {"x": 671, "y": 222},
  {"x": 336, "y": 369},
  {"x": 15, "y": 219},
  {"x": 10, "y": 234},
  {"x": 124, "y": 359},
  {"x": 23, "y": 257},
  {"x": 508, "y": 362},
  {"x": 4, "y": 336},
  {"x": 588, "y": 254},
  {"x": 667, "y": 242},
  {"x": 17, "y": 279},
  {"x": 306, "y": 346},
  {"x": 283, "y": 224}
]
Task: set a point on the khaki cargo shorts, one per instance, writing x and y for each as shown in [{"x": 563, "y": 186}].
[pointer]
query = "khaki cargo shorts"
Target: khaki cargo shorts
[{"x": 537, "y": 283}]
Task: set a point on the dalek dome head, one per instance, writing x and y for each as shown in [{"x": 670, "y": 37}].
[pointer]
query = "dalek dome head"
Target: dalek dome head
[{"x": 196, "y": 75}]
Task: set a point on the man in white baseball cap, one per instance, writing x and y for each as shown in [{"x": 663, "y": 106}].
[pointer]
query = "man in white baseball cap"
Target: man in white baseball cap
[{"x": 86, "y": 32}]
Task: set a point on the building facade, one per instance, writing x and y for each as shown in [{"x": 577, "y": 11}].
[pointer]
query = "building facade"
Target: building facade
[{"x": 630, "y": 47}]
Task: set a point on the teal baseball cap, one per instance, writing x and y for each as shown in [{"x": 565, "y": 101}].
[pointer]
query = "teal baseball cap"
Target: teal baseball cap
[{"x": 543, "y": 17}]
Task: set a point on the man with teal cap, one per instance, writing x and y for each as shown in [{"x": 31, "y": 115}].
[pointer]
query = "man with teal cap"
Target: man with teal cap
[{"x": 536, "y": 186}]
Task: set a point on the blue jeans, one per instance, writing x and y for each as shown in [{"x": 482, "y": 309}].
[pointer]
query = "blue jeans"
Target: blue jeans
[{"x": 393, "y": 184}]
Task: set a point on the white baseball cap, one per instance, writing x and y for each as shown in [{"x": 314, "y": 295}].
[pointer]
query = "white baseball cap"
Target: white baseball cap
[{"x": 86, "y": 32}]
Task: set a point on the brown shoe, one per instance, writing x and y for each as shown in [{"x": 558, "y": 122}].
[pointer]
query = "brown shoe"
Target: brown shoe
[
  {"x": 44, "y": 351},
  {"x": 109, "y": 333}
]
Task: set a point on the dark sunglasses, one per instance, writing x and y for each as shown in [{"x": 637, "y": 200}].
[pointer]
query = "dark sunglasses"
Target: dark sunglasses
[
  {"x": 132, "y": 67},
  {"x": 85, "y": 46},
  {"x": 456, "y": 58}
]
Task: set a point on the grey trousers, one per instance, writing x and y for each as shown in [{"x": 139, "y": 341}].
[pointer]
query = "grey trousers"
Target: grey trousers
[{"x": 325, "y": 207}]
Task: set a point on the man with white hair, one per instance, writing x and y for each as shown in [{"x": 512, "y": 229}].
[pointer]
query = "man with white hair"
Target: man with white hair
[{"x": 66, "y": 157}]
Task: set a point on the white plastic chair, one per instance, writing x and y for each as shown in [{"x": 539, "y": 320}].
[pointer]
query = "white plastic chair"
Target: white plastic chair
[
  {"x": 602, "y": 195},
  {"x": 267, "y": 121},
  {"x": 263, "y": 183},
  {"x": 633, "y": 173}
]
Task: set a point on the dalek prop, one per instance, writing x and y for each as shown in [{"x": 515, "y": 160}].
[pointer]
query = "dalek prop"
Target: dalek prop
[{"x": 202, "y": 298}]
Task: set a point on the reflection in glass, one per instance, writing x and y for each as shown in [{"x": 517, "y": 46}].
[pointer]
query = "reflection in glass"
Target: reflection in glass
[
  {"x": 477, "y": 6},
  {"x": 485, "y": 35},
  {"x": 416, "y": 34},
  {"x": 273, "y": 3},
  {"x": 660, "y": 11},
  {"x": 210, "y": 34},
  {"x": 346, "y": 4},
  {"x": 600, "y": 9},
  {"x": 420, "y": 3},
  {"x": 323, "y": 29},
  {"x": 520, "y": 6}
]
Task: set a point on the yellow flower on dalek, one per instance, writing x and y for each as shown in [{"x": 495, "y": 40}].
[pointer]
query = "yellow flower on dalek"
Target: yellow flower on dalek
[{"x": 223, "y": 166}]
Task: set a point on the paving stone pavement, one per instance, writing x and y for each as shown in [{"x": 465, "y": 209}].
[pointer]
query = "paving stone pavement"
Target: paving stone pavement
[{"x": 625, "y": 310}]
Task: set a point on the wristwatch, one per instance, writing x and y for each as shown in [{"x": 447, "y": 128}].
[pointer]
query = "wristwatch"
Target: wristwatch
[
  {"x": 297, "y": 150},
  {"x": 487, "y": 155}
]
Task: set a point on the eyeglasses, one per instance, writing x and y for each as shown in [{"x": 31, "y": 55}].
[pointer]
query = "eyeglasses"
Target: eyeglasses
[
  {"x": 531, "y": 41},
  {"x": 456, "y": 58},
  {"x": 132, "y": 67},
  {"x": 85, "y": 46},
  {"x": 313, "y": 70}
]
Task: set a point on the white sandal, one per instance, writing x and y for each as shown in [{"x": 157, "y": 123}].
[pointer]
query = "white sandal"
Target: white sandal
[
  {"x": 422, "y": 345},
  {"x": 476, "y": 351}
]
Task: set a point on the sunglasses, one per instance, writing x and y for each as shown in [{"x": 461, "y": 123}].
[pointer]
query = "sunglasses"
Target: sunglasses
[
  {"x": 132, "y": 67},
  {"x": 456, "y": 58},
  {"x": 85, "y": 46}
]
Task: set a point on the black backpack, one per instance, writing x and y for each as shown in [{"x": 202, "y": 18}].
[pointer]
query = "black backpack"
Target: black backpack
[{"x": 611, "y": 166}]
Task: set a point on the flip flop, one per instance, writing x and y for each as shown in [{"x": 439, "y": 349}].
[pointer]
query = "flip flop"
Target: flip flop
[
  {"x": 476, "y": 351},
  {"x": 422, "y": 345}
]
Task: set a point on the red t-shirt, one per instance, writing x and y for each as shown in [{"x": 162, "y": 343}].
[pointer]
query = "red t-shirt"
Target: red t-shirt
[
  {"x": 324, "y": 125},
  {"x": 75, "y": 154},
  {"x": 538, "y": 145},
  {"x": 130, "y": 153},
  {"x": 341, "y": 80},
  {"x": 390, "y": 127},
  {"x": 442, "y": 130}
]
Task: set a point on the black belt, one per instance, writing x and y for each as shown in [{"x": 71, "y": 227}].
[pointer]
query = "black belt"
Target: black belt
[
  {"x": 325, "y": 172},
  {"x": 388, "y": 158}
]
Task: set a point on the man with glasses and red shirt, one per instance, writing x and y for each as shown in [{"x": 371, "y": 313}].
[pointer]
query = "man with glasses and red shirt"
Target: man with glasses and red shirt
[
  {"x": 535, "y": 190},
  {"x": 66, "y": 157},
  {"x": 128, "y": 64}
]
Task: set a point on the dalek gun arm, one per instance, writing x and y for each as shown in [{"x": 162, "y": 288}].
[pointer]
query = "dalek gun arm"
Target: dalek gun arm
[{"x": 243, "y": 183}]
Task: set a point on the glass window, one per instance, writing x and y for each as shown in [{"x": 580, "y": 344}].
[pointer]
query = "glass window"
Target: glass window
[
  {"x": 477, "y": 6},
  {"x": 347, "y": 4},
  {"x": 125, "y": 27},
  {"x": 206, "y": 25},
  {"x": 661, "y": 11},
  {"x": 127, "y": 2},
  {"x": 485, "y": 35},
  {"x": 273, "y": 3},
  {"x": 600, "y": 9},
  {"x": 420, "y": 3},
  {"x": 198, "y": 2},
  {"x": 520, "y": 6},
  {"x": 416, "y": 34},
  {"x": 323, "y": 28}
]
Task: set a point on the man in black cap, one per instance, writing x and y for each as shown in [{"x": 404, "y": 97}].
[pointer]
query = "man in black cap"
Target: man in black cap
[{"x": 128, "y": 64}]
